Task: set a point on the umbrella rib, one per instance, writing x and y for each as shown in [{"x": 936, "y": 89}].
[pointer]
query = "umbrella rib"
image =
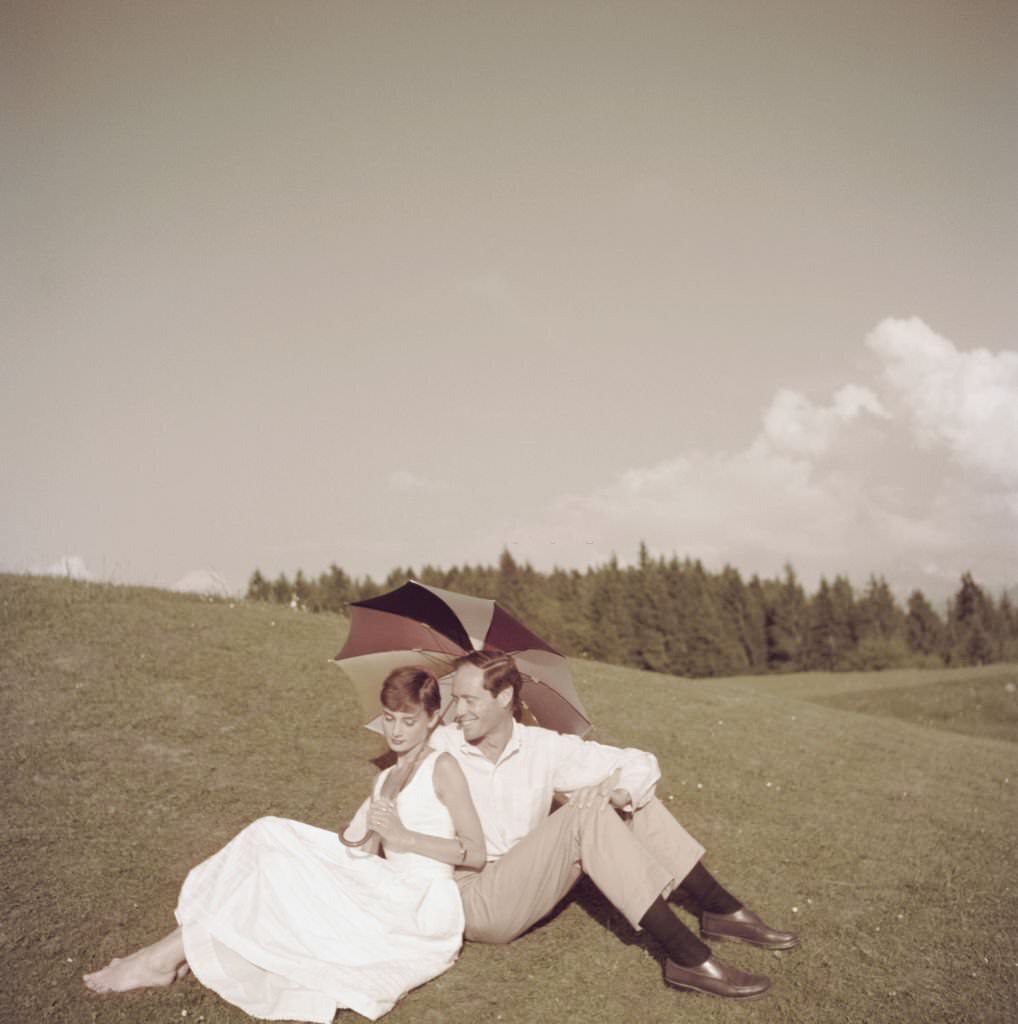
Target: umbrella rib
[
  {"x": 435, "y": 633},
  {"x": 433, "y": 656},
  {"x": 558, "y": 696}
]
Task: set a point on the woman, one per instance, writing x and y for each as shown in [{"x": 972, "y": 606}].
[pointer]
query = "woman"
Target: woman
[{"x": 289, "y": 924}]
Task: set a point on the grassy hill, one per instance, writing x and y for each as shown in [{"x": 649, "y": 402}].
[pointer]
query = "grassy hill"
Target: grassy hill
[{"x": 876, "y": 813}]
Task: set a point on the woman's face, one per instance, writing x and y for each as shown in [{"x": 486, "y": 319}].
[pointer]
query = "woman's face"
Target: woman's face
[{"x": 406, "y": 728}]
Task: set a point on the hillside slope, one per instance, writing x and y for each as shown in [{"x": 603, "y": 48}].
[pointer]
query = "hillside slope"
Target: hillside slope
[{"x": 144, "y": 728}]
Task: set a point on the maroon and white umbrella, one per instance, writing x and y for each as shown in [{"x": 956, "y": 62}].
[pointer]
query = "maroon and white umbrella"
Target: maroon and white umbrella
[{"x": 416, "y": 624}]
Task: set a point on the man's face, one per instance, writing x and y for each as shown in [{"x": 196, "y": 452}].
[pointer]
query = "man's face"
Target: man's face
[{"x": 477, "y": 712}]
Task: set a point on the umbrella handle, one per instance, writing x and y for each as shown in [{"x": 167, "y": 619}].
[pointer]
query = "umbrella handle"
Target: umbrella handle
[{"x": 354, "y": 844}]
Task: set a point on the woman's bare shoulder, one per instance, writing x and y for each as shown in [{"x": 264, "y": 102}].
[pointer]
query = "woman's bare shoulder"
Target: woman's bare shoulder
[{"x": 447, "y": 769}]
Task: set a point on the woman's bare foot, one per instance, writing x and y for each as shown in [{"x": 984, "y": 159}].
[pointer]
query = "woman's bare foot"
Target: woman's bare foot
[
  {"x": 124, "y": 974},
  {"x": 160, "y": 964}
]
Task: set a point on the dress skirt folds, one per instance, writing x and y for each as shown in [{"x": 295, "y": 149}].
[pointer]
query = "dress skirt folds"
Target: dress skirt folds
[{"x": 288, "y": 924}]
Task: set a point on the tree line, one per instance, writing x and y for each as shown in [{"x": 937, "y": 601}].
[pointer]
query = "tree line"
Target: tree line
[{"x": 674, "y": 616}]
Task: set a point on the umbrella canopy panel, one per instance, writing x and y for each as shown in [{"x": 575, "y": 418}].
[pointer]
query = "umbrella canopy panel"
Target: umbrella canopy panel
[
  {"x": 377, "y": 629},
  {"x": 506, "y": 634},
  {"x": 475, "y": 613},
  {"x": 415, "y": 602}
]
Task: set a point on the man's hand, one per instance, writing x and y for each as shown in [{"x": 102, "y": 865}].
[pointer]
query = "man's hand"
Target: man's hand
[{"x": 599, "y": 796}]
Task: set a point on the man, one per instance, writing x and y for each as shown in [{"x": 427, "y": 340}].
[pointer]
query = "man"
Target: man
[{"x": 534, "y": 858}]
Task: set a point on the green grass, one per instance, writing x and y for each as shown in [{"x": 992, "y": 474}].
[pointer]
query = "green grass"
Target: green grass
[{"x": 143, "y": 729}]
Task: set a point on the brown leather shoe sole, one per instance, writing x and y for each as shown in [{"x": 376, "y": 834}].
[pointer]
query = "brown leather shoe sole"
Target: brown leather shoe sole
[
  {"x": 716, "y": 978},
  {"x": 717, "y": 995},
  {"x": 722, "y": 937}
]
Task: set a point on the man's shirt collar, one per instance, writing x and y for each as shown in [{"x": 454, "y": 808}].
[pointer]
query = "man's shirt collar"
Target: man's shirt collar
[{"x": 512, "y": 746}]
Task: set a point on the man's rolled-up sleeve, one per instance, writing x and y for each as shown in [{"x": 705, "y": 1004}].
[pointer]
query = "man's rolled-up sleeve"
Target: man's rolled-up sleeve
[{"x": 586, "y": 763}]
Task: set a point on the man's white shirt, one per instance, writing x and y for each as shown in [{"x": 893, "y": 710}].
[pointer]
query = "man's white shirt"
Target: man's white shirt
[{"x": 513, "y": 794}]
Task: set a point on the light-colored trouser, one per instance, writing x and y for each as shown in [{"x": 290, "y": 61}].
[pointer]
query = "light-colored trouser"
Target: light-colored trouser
[{"x": 632, "y": 862}]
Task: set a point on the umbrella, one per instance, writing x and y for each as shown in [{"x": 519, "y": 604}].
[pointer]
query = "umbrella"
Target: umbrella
[{"x": 416, "y": 624}]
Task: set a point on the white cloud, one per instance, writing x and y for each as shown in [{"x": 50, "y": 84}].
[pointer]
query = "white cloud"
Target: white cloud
[
  {"x": 795, "y": 424},
  {"x": 889, "y": 478},
  {"x": 71, "y": 566},
  {"x": 202, "y": 581},
  {"x": 966, "y": 401}
]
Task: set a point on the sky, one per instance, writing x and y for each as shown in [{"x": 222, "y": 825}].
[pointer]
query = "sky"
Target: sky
[{"x": 393, "y": 284}]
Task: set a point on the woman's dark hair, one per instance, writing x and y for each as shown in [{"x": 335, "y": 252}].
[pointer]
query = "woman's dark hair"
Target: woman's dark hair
[
  {"x": 411, "y": 687},
  {"x": 499, "y": 672}
]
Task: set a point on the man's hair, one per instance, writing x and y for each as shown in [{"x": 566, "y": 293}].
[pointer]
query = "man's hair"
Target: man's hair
[
  {"x": 499, "y": 672},
  {"x": 411, "y": 687}
]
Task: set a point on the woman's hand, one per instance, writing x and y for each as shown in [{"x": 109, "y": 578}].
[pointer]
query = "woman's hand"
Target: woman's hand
[{"x": 384, "y": 819}]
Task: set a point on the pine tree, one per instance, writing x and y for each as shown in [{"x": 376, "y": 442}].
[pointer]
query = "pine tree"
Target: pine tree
[
  {"x": 611, "y": 626},
  {"x": 258, "y": 587},
  {"x": 743, "y": 621},
  {"x": 756, "y": 625},
  {"x": 1007, "y": 618},
  {"x": 881, "y": 628},
  {"x": 282, "y": 591},
  {"x": 647, "y": 600},
  {"x": 820, "y": 647},
  {"x": 335, "y": 589},
  {"x": 786, "y": 622},
  {"x": 567, "y": 616},
  {"x": 510, "y": 589},
  {"x": 924, "y": 632},
  {"x": 970, "y": 632},
  {"x": 709, "y": 652},
  {"x": 676, "y": 617},
  {"x": 301, "y": 591},
  {"x": 846, "y": 623}
]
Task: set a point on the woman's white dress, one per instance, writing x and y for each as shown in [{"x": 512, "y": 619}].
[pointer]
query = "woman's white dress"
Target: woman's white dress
[{"x": 289, "y": 924}]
